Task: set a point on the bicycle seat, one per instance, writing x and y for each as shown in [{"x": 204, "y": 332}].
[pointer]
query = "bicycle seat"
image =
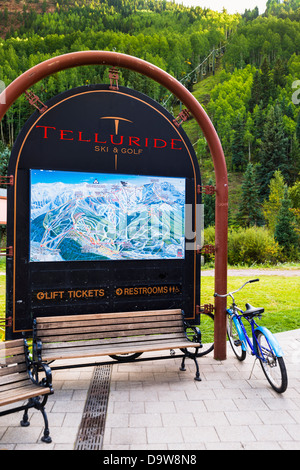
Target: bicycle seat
[{"x": 252, "y": 311}]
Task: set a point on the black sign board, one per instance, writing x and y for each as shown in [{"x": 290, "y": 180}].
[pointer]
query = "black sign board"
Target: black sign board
[{"x": 102, "y": 213}]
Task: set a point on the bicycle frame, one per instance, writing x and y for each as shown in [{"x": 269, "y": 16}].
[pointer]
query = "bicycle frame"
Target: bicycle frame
[
  {"x": 254, "y": 345},
  {"x": 243, "y": 336}
]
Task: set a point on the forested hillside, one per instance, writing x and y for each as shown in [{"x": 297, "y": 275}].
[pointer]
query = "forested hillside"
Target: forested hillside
[{"x": 244, "y": 70}]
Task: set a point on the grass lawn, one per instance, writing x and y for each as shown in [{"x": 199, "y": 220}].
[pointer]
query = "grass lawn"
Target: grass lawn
[{"x": 278, "y": 295}]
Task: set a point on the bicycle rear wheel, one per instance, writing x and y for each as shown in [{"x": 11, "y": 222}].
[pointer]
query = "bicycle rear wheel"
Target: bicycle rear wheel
[
  {"x": 125, "y": 357},
  {"x": 207, "y": 333},
  {"x": 272, "y": 366},
  {"x": 234, "y": 339},
  {"x": 206, "y": 328}
]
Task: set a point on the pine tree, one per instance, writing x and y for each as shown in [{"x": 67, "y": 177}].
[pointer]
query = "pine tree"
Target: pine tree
[
  {"x": 209, "y": 201},
  {"x": 4, "y": 157},
  {"x": 285, "y": 233},
  {"x": 274, "y": 151},
  {"x": 267, "y": 84},
  {"x": 298, "y": 128},
  {"x": 262, "y": 87},
  {"x": 294, "y": 194},
  {"x": 256, "y": 91},
  {"x": 258, "y": 121},
  {"x": 272, "y": 205},
  {"x": 249, "y": 210},
  {"x": 238, "y": 147},
  {"x": 279, "y": 74}
]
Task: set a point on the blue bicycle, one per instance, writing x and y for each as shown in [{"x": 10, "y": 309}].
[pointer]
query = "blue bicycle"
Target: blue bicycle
[{"x": 263, "y": 345}]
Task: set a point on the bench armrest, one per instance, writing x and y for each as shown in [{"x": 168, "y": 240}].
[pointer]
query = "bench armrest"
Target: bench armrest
[
  {"x": 194, "y": 333},
  {"x": 34, "y": 367}
]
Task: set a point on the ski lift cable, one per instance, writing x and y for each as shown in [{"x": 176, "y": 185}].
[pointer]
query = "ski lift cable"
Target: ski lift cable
[{"x": 193, "y": 71}]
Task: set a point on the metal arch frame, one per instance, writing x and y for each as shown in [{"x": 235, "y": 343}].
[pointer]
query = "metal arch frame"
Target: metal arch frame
[{"x": 76, "y": 59}]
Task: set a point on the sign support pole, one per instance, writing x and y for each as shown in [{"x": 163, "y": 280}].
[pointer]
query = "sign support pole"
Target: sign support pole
[{"x": 115, "y": 59}]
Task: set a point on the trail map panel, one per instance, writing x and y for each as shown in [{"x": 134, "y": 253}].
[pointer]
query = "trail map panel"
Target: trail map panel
[
  {"x": 93, "y": 217},
  {"x": 102, "y": 214}
]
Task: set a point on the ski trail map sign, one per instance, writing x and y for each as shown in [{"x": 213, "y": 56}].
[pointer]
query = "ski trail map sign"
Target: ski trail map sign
[{"x": 103, "y": 212}]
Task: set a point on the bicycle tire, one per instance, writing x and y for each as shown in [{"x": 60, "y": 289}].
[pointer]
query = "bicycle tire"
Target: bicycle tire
[
  {"x": 234, "y": 340},
  {"x": 274, "y": 369},
  {"x": 207, "y": 330},
  {"x": 207, "y": 347},
  {"x": 125, "y": 357}
]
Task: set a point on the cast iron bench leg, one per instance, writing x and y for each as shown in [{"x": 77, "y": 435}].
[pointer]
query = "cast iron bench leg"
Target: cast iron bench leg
[
  {"x": 194, "y": 357},
  {"x": 197, "y": 377},
  {"x": 25, "y": 422},
  {"x": 40, "y": 406}
]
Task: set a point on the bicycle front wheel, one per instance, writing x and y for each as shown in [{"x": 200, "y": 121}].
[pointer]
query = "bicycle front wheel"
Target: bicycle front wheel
[
  {"x": 272, "y": 366},
  {"x": 234, "y": 339}
]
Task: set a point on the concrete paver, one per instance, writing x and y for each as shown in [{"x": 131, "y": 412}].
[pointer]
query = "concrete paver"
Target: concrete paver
[{"x": 154, "y": 406}]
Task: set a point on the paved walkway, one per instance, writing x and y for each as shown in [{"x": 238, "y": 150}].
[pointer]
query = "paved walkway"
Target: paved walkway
[{"x": 154, "y": 406}]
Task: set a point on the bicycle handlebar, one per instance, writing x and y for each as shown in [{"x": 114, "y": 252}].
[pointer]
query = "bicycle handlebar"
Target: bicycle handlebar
[{"x": 233, "y": 292}]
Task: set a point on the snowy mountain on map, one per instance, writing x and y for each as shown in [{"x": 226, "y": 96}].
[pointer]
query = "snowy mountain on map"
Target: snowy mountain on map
[{"x": 95, "y": 221}]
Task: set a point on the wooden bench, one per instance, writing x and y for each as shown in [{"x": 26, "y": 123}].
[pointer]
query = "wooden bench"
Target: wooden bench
[
  {"x": 19, "y": 381},
  {"x": 122, "y": 336}
]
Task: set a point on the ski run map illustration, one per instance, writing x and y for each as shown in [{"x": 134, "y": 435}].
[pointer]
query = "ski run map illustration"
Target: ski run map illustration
[{"x": 89, "y": 216}]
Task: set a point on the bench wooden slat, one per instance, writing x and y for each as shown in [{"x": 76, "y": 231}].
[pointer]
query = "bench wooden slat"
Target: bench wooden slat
[
  {"x": 6, "y": 353},
  {"x": 130, "y": 344},
  {"x": 84, "y": 317},
  {"x": 79, "y": 328},
  {"x": 22, "y": 393},
  {"x": 14, "y": 343},
  {"x": 21, "y": 382},
  {"x": 98, "y": 342},
  {"x": 107, "y": 325},
  {"x": 13, "y": 377},
  {"x": 4, "y": 362},
  {"x": 12, "y": 369},
  {"x": 109, "y": 350},
  {"x": 108, "y": 321},
  {"x": 116, "y": 334}
]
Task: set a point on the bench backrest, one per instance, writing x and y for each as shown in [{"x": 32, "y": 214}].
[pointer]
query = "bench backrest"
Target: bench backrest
[
  {"x": 108, "y": 325},
  {"x": 13, "y": 367}
]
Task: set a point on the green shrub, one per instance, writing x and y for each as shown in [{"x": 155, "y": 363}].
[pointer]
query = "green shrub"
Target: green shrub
[
  {"x": 252, "y": 245},
  {"x": 209, "y": 235},
  {"x": 209, "y": 239}
]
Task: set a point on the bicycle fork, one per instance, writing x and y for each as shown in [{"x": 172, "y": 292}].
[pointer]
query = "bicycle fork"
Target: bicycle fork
[{"x": 271, "y": 341}]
